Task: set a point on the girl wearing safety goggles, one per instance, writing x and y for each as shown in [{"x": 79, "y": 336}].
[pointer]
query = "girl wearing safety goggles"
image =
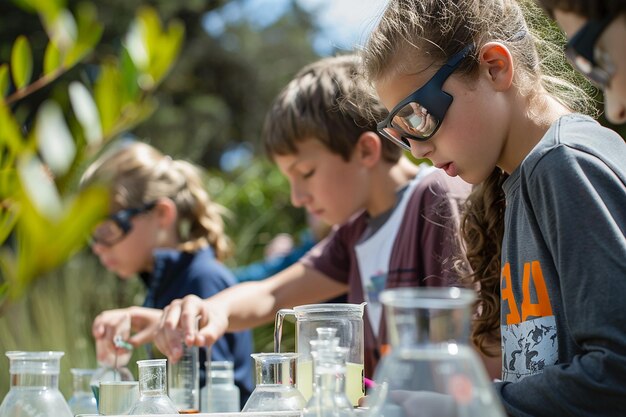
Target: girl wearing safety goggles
[{"x": 466, "y": 87}]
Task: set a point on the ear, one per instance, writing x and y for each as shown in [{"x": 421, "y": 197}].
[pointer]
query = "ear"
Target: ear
[
  {"x": 166, "y": 212},
  {"x": 368, "y": 149},
  {"x": 496, "y": 62}
]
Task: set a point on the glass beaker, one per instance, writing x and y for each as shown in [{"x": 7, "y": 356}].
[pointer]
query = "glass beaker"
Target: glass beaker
[
  {"x": 82, "y": 400},
  {"x": 153, "y": 397},
  {"x": 34, "y": 388},
  {"x": 431, "y": 370},
  {"x": 220, "y": 394},
  {"x": 184, "y": 380},
  {"x": 348, "y": 320},
  {"x": 275, "y": 389},
  {"x": 108, "y": 373}
]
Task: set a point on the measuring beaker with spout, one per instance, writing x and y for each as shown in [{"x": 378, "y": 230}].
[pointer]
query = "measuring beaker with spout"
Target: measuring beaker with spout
[
  {"x": 348, "y": 320},
  {"x": 431, "y": 369}
]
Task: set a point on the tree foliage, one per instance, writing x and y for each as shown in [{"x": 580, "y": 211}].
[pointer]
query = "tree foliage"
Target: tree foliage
[{"x": 43, "y": 142}]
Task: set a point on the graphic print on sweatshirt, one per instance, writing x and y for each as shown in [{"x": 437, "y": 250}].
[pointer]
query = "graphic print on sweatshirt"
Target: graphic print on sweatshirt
[{"x": 528, "y": 330}]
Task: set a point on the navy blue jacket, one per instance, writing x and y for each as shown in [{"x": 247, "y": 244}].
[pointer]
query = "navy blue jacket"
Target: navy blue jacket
[{"x": 177, "y": 274}]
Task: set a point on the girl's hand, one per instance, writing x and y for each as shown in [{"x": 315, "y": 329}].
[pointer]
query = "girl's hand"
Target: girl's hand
[
  {"x": 106, "y": 327},
  {"x": 113, "y": 326}
]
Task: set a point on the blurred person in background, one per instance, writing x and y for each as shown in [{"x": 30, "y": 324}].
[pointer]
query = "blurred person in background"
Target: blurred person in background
[
  {"x": 164, "y": 228},
  {"x": 596, "y": 30}
]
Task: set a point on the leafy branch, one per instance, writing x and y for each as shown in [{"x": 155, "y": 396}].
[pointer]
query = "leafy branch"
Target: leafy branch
[{"x": 41, "y": 224}]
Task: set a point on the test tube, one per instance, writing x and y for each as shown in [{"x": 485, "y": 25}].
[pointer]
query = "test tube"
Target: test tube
[{"x": 184, "y": 381}]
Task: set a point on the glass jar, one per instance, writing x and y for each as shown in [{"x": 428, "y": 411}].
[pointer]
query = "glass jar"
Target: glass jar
[
  {"x": 82, "y": 400},
  {"x": 431, "y": 370},
  {"x": 275, "y": 384},
  {"x": 34, "y": 388},
  {"x": 153, "y": 397}
]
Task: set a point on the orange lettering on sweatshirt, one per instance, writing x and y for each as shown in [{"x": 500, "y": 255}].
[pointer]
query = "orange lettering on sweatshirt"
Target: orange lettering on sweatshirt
[
  {"x": 506, "y": 292},
  {"x": 542, "y": 308}
]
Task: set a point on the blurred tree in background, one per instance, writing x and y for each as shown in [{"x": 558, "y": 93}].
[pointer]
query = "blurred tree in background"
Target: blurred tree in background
[{"x": 210, "y": 110}]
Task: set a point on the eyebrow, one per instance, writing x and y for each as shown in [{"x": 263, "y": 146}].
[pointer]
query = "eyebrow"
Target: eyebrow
[{"x": 293, "y": 165}]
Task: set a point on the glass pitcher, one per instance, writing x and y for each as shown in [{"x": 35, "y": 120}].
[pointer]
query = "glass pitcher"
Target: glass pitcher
[
  {"x": 348, "y": 320},
  {"x": 431, "y": 370},
  {"x": 34, "y": 388},
  {"x": 275, "y": 389}
]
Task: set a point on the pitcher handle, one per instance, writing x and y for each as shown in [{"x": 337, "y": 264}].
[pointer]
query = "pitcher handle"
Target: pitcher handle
[{"x": 278, "y": 326}]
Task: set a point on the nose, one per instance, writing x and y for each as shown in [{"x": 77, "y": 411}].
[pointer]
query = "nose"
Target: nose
[
  {"x": 97, "y": 248},
  {"x": 299, "y": 196},
  {"x": 420, "y": 149},
  {"x": 614, "y": 108}
]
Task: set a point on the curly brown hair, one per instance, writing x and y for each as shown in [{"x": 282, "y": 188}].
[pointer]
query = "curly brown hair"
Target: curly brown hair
[{"x": 482, "y": 228}]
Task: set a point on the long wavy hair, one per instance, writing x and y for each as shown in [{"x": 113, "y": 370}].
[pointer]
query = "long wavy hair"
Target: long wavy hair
[{"x": 137, "y": 173}]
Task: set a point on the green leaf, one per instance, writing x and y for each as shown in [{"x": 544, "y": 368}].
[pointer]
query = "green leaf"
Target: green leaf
[
  {"x": 152, "y": 49},
  {"x": 87, "y": 209},
  {"x": 55, "y": 141},
  {"x": 86, "y": 112},
  {"x": 62, "y": 29},
  {"x": 169, "y": 46},
  {"x": 39, "y": 186},
  {"x": 4, "y": 79},
  {"x": 107, "y": 98},
  {"x": 43, "y": 7},
  {"x": 130, "y": 74},
  {"x": 52, "y": 59},
  {"x": 21, "y": 62},
  {"x": 9, "y": 130},
  {"x": 89, "y": 33},
  {"x": 8, "y": 218}
]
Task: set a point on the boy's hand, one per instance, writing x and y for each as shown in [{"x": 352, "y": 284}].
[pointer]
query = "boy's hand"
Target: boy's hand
[{"x": 191, "y": 320}]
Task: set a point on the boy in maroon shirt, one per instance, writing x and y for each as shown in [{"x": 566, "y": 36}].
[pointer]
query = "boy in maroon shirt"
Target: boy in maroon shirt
[{"x": 396, "y": 221}]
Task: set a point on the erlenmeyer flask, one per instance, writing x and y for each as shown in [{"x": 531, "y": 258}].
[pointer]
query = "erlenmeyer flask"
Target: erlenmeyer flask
[
  {"x": 34, "y": 386},
  {"x": 275, "y": 384},
  {"x": 153, "y": 397},
  {"x": 329, "y": 367},
  {"x": 431, "y": 370},
  {"x": 82, "y": 400}
]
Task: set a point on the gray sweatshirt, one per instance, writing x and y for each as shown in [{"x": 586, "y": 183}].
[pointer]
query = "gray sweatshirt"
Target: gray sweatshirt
[{"x": 563, "y": 281}]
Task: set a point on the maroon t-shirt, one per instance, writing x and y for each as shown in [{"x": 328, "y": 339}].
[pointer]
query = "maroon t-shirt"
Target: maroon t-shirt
[{"x": 423, "y": 253}]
